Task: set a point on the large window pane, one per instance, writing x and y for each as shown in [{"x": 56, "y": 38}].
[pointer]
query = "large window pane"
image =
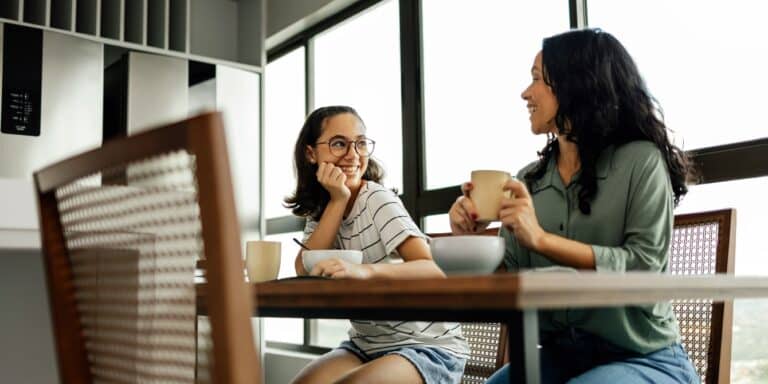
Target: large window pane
[
  {"x": 357, "y": 63},
  {"x": 708, "y": 73},
  {"x": 750, "y": 320},
  {"x": 279, "y": 329},
  {"x": 477, "y": 61},
  {"x": 284, "y": 115},
  {"x": 330, "y": 333},
  {"x": 437, "y": 223},
  {"x": 748, "y": 197}
]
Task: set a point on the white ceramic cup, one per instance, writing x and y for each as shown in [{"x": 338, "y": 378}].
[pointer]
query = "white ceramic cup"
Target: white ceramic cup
[
  {"x": 311, "y": 257},
  {"x": 262, "y": 260},
  {"x": 487, "y": 193}
]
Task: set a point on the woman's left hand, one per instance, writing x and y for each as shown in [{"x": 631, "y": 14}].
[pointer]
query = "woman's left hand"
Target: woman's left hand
[
  {"x": 519, "y": 216},
  {"x": 336, "y": 268}
]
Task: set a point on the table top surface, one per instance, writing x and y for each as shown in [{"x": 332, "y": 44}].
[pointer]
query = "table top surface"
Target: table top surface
[{"x": 486, "y": 297}]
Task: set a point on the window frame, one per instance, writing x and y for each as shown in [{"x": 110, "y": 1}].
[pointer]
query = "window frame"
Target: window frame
[{"x": 732, "y": 161}]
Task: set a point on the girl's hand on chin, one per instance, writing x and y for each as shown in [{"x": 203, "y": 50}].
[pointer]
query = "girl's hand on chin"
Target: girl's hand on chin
[{"x": 333, "y": 179}]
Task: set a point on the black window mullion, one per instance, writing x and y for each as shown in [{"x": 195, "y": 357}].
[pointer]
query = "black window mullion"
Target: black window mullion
[
  {"x": 411, "y": 85},
  {"x": 729, "y": 162},
  {"x": 577, "y": 10},
  {"x": 309, "y": 76},
  {"x": 713, "y": 164}
]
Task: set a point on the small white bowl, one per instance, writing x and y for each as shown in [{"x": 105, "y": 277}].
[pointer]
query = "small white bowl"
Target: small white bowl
[
  {"x": 311, "y": 257},
  {"x": 471, "y": 254}
]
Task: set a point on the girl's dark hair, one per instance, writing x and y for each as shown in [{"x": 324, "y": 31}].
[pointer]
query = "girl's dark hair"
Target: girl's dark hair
[
  {"x": 310, "y": 198},
  {"x": 603, "y": 101}
]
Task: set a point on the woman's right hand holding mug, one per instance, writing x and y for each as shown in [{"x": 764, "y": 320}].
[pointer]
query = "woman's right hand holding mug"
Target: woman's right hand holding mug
[
  {"x": 463, "y": 215},
  {"x": 334, "y": 181}
]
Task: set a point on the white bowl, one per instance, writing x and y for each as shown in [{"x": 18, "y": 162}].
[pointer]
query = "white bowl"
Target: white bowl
[
  {"x": 311, "y": 257},
  {"x": 471, "y": 254}
]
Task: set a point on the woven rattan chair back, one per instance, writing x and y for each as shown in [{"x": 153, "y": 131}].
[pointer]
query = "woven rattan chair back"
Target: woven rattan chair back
[
  {"x": 122, "y": 228},
  {"x": 486, "y": 341},
  {"x": 703, "y": 244}
]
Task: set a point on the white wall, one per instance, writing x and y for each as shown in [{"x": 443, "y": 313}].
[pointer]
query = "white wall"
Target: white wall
[
  {"x": 70, "y": 107},
  {"x": 238, "y": 97},
  {"x": 158, "y": 88},
  {"x": 27, "y": 353}
]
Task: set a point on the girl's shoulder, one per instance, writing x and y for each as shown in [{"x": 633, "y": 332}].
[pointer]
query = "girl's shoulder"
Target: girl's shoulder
[
  {"x": 372, "y": 187},
  {"x": 376, "y": 194}
]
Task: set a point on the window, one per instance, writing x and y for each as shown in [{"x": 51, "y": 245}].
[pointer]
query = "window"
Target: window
[
  {"x": 477, "y": 62},
  {"x": 708, "y": 74},
  {"x": 284, "y": 116},
  {"x": 279, "y": 329},
  {"x": 357, "y": 63},
  {"x": 329, "y": 333},
  {"x": 704, "y": 75},
  {"x": 437, "y": 223}
]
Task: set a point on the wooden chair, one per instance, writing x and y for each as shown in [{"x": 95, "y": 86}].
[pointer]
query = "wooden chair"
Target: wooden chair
[
  {"x": 122, "y": 227},
  {"x": 486, "y": 341},
  {"x": 703, "y": 243}
]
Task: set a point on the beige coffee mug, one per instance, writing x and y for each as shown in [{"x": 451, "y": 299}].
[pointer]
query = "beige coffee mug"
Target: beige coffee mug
[
  {"x": 262, "y": 260},
  {"x": 487, "y": 192}
]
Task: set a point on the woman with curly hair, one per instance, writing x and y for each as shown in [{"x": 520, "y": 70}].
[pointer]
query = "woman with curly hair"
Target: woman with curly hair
[{"x": 599, "y": 198}]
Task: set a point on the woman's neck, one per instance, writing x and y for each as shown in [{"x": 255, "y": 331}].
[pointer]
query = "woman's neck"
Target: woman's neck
[{"x": 568, "y": 161}]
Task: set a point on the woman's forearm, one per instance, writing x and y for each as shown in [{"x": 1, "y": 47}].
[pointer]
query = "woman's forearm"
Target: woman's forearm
[
  {"x": 417, "y": 269},
  {"x": 565, "y": 251}
]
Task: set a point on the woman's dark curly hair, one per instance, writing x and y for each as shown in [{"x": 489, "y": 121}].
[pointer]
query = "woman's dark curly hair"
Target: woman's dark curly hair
[
  {"x": 603, "y": 101},
  {"x": 310, "y": 198}
]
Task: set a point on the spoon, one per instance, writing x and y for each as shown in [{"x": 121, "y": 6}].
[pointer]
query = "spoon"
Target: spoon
[{"x": 295, "y": 240}]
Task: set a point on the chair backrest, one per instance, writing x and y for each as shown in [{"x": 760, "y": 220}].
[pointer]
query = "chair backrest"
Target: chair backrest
[
  {"x": 703, "y": 243},
  {"x": 122, "y": 227},
  {"x": 486, "y": 341}
]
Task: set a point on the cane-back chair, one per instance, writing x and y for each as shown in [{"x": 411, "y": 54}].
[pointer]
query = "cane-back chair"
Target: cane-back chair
[
  {"x": 122, "y": 227},
  {"x": 702, "y": 244},
  {"x": 486, "y": 341}
]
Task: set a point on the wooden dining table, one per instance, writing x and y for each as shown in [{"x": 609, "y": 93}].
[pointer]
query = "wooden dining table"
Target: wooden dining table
[{"x": 510, "y": 298}]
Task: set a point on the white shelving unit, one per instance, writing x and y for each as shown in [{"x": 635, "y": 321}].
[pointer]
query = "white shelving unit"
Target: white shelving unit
[
  {"x": 62, "y": 14},
  {"x": 157, "y": 23},
  {"x": 178, "y": 29},
  {"x": 136, "y": 21},
  {"x": 36, "y": 12},
  {"x": 11, "y": 9},
  {"x": 113, "y": 19},
  {"x": 88, "y": 17},
  {"x": 226, "y": 29},
  {"x": 223, "y": 30}
]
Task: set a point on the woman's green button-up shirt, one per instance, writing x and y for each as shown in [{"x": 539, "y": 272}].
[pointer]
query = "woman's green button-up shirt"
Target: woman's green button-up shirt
[{"x": 629, "y": 229}]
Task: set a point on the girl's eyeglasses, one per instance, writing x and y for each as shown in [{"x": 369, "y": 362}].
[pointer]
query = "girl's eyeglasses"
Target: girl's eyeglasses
[{"x": 339, "y": 146}]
